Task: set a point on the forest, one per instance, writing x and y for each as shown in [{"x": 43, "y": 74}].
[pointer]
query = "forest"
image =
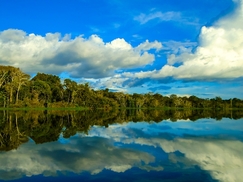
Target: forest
[
  {"x": 41, "y": 126},
  {"x": 19, "y": 90}
]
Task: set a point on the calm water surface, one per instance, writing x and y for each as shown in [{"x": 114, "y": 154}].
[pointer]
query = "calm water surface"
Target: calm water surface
[{"x": 203, "y": 150}]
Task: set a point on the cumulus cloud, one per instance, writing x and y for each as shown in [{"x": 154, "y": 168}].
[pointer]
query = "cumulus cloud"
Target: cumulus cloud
[
  {"x": 178, "y": 47},
  {"x": 221, "y": 157},
  {"x": 79, "y": 57},
  {"x": 145, "y": 46},
  {"x": 92, "y": 154},
  {"x": 219, "y": 54},
  {"x": 114, "y": 83}
]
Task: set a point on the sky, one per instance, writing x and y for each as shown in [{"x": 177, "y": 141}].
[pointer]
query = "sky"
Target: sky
[{"x": 168, "y": 47}]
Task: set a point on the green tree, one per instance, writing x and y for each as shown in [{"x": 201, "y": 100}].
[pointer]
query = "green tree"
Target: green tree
[
  {"x": 55, "y": 84},
  {"x": 20, "y": 79},
  {"x": 41, "y": 91},
  {"x": 70, "y": 88}
]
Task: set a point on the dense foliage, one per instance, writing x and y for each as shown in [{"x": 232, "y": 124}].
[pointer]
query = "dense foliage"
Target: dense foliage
[
  {"x": 17, "y": 127},
  {"x": 17, "y": 89}
]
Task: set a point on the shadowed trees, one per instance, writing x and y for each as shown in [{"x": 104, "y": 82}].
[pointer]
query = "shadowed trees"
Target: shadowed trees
[
  {"x": 16, "y": 127},
  {"x": 54, "y": 83}
]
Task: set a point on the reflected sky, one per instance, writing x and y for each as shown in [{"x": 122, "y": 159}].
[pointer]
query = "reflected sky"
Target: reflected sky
[{"x": 205, "y": 150}]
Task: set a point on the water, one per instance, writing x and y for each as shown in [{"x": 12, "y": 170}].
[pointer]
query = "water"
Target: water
[{"x": 40, "y": 146}]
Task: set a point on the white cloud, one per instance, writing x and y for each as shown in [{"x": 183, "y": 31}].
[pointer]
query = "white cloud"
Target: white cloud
[
  {"x": 79, "y": 57},
  {"x": 167, "y": 16},
  {"x": 178, "y": 47},
  {"x": 221, "y": 158},
  {"x": 113, "y": 83},
  {"x": 119, "y": 44},
  {"x": 218, "y": 56},
  {"x": 78, "y": 155},
  {"x": 145, "y": 46}
]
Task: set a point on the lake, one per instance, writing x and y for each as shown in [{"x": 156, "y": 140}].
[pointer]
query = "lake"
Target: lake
[{"x": 127, "y": 145}]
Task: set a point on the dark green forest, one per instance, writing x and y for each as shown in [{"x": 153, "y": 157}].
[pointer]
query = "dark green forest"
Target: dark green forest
[
  {"x": 19, "y": 90},
  {"x": 17, "y": 127}
]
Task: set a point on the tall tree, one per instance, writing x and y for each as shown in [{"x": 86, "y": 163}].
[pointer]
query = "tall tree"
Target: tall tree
[
  {"x": 55, "y": 84},
  {"x": 41, "y": 91},
  {"x": 70, "y": 90},
  {"x": 20, "y": 79},
  {"x": 4, "y": 70}
]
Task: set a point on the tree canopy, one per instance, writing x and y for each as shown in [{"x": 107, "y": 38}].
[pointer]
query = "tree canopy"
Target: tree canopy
[{"x": 17, "y": 89}]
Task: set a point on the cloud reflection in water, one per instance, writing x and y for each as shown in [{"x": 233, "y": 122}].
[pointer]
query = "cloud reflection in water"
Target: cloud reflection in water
[{"x": 165, "y": 147}]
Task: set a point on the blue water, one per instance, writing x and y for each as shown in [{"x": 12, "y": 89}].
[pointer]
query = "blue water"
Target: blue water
[{"x": 204, "y": 150}]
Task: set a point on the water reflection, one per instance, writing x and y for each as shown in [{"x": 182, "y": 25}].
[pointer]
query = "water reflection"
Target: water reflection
[
  {"x": 79, "y": 154},
  {"x": 79, "y": 142}
]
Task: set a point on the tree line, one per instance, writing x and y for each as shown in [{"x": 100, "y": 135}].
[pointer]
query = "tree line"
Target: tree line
[
  {"x": 18, "y": 89},
  {"x": 17, "y": 127}
]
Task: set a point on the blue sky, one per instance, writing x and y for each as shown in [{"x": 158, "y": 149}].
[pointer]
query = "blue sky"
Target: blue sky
[{"x": 169, "y": 47}]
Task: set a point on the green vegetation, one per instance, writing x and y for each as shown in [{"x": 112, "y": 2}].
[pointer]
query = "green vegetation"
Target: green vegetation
[
  {"x": 18, "y": 90},
  {"x": 17, "y": 127}
]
